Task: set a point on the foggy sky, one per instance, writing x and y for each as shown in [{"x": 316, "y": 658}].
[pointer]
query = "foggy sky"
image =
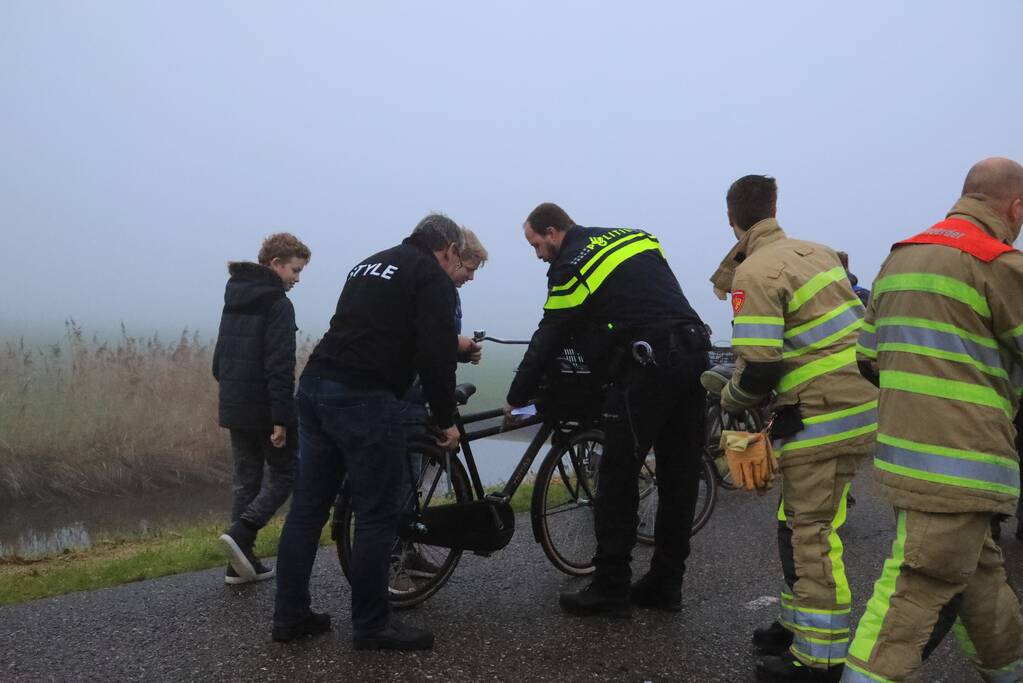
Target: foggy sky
[{"x": 145, "y": 144}]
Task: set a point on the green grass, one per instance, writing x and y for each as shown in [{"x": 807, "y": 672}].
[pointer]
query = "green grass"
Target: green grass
[
  {"x": 124, "y": 560},
  {"x": 116, "y": 561}
]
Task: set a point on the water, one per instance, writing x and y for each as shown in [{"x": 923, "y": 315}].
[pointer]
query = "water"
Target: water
[
  {"x": 50, "y": 528},
  {"x": 46, "y": 529}
]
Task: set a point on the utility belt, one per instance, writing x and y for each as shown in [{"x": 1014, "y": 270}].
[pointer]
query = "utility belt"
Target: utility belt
[{"x": 663, "y": 346}]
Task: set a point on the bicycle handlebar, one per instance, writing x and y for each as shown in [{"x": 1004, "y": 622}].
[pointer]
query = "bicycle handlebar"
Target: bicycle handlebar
[{"x": 481, "y": 335}]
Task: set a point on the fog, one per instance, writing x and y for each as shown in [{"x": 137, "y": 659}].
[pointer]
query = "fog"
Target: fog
[{"x": 146, "y": 144}]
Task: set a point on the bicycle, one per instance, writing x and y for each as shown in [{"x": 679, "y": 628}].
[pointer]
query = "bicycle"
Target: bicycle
[{"x": 561, "y": 507}]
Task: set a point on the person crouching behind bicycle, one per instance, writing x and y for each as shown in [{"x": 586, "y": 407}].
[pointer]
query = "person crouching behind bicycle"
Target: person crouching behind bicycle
[
  {"x": 394, "y": 319},
  {"x": 608, "y": 288},
  {"x": 407, "y": 564}
]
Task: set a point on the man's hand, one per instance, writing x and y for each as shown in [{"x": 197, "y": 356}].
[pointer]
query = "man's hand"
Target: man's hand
[
  {"x": 469, "y": 351},
  {"x": 448, "y": 438},
  {"x": 279, "y": 436}
]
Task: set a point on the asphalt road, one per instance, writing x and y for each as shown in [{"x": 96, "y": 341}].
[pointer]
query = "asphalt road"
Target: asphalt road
[{"x": 497, "y": 619}]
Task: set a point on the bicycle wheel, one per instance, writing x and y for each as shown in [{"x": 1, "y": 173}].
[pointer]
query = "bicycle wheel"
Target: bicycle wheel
[
  {"x": 707, "y": 496},
  {"x": 562, "y": 508},
  {"x": 417, "y": 570},
  {"x": 648, "y": 498}
]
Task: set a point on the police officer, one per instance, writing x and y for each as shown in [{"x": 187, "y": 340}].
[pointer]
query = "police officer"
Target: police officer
[
  {"x": 394, "y": 319},
  {"x": 608, "y": 288},
  {"x": 943, "y": 337},
  {"x": 794, "y": 334}
]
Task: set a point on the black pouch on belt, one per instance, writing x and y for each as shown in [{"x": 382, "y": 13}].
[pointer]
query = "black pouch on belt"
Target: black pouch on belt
[{"x": 787, "y": 421}]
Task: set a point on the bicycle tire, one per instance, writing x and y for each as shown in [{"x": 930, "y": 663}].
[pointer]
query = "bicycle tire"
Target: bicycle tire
[
  {"x": 406, "y": 590},
  {"x": 648, "y": 500},
  {"x": 707, "y": 497},
  {"x": 562, "y": 507}
]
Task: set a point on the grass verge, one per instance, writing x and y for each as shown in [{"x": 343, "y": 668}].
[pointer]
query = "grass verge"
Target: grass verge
[
  {"x": 124, "y": 560},
  {"x": 113, "y": 562}
]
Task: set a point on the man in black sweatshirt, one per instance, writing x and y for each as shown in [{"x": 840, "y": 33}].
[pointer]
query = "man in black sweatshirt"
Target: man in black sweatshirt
[{"x": 394, "y": 320}]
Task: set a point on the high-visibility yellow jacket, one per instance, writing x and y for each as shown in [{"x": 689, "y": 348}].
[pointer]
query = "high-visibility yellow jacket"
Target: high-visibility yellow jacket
[
  {"x": 794, "y": 333},
  {"x": 944, "y": 332}
]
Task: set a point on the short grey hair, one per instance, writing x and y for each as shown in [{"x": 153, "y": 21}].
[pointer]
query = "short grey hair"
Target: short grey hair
[{"x": 439, "y": 232}]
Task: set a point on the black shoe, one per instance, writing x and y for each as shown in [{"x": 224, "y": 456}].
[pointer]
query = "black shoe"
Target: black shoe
[
  {"x": 773, "y": 640},
  {"x": 655, "y": 594},
  {"x": 590, "y": 601},
  {"x": 395, "y": 636},
  {"x": 313, "y": 623},
  {"x": 788, "y": 668},
  {"x": 1019, "y": 531},
  {"x": 239, "y": 540},
  {"x": 262, "y": 573}
]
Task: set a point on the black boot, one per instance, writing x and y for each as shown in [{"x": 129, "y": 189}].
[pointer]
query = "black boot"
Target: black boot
[
  {"x": 592, "y": 601},
  {"x": 655, "y": 593},
  {"x": 394, "y": 636},
  {"x": 313, "y": 623},
  {"x": 773, "y": 640},
  {"x": 788, "y": 668}
]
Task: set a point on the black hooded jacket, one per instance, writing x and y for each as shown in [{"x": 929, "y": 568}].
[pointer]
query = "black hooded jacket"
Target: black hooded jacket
[{"x": 254, "y": 360}]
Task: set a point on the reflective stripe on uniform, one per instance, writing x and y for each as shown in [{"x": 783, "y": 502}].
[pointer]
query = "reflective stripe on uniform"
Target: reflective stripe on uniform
[
  {"x": 793, "y": 617},
  {"x": 831, "y": 427},
  {"x": 866, "y": 341},
  {"x": 943, "y": 465},
  {"x": 854, "y": 674},
  {"x": 816, "y": 368},
  {"x": 826, "y": 329},
  {"x": 814, "y": 285},
  {"x": 758, "y": 330},
  {"x": 938, "y": 340},
  {"x": 843, "y": 595},
  {"x": 574, "y": 292},
  {"x": 1016, "y": 335},
  {"x": 954, "y": 390},
  {"x": 870, "y": 624},
  {"x": 819, "y": 650},
  {"x": 934, "y": 284}
]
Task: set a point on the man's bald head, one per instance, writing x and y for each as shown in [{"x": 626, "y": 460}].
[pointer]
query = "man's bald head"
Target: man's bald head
[
  {"x": 997, "y": 178},
  {"x": 1000, "y": 181}
]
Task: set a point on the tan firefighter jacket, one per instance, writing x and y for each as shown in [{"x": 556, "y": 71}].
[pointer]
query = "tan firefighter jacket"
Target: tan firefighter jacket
[
  {"x": 944, "y": 331},
  {"x": 794, "y": 333}
]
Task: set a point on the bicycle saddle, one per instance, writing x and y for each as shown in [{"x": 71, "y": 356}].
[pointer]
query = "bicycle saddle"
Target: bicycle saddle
[
  {"x": 463, "y": 392},
  {"x": 715, "y": 379}
]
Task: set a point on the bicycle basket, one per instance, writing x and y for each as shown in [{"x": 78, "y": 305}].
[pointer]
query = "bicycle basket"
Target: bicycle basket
[
  {"x": 569, "y": 390},
  {"x": 720, "y": 354}
]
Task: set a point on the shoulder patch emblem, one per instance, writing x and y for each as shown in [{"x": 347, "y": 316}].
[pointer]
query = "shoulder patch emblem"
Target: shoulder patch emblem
[{"x": 738, "y": 299}]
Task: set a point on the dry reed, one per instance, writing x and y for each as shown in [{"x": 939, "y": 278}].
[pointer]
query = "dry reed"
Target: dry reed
[{"x": 85, "y": 416}]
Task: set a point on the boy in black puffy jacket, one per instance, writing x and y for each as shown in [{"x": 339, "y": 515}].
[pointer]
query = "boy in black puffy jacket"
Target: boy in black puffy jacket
[{"x": 254, "y": 362}]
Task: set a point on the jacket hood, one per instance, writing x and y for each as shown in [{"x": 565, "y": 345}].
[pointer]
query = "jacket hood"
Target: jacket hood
[{"x": 249, "y": 282}]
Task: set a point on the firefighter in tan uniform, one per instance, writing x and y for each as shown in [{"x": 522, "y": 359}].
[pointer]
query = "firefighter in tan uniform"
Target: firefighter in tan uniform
[
  {"x": 794, "y": 335},
  {"x": 943, "y": 337}
]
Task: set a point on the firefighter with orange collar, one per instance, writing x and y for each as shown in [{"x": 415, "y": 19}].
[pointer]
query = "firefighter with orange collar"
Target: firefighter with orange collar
[
  {"x": 943, "y": 338},
  {"x": 794, "y": 336}
]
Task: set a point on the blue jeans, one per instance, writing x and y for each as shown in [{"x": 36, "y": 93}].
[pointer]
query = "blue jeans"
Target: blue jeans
[{"x": 358, "y": 434}]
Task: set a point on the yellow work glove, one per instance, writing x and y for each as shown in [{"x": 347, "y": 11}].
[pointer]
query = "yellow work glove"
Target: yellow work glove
[{"x": 750, "y": 459}]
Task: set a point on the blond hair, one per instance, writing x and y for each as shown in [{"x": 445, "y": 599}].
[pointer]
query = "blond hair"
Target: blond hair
[{"x": 473, "y": 248}]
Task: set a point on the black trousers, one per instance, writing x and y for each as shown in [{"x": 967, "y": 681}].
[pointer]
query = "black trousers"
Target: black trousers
[{"x": 657, "y": 407}]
